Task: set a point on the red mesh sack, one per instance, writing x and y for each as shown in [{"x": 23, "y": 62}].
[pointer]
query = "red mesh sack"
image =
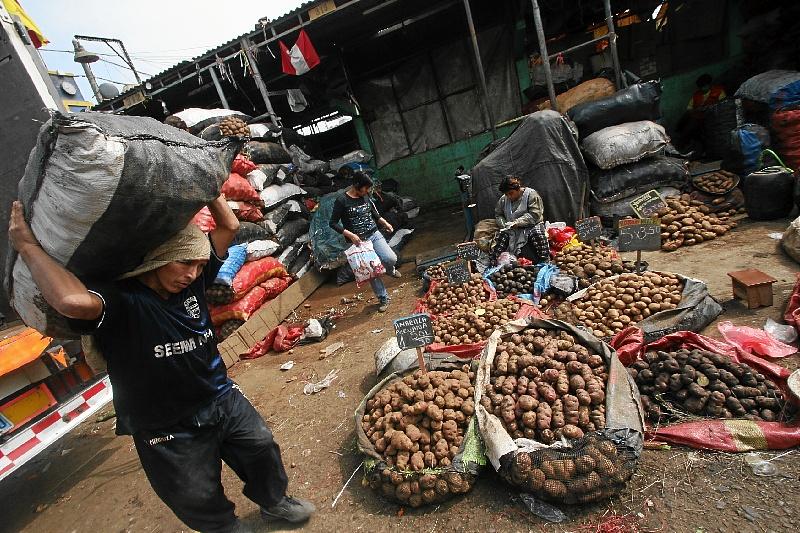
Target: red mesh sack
[
  {"x": 255, "y": 273},
  {"x": 204, "y": 220},
  {"x": 242, "y": 165},
  {"x": 785, "y": 127},
  {"x": 241, "y": 309},
  {"x": 275, "y": 286},
  {"x": 239, "y": 189}
]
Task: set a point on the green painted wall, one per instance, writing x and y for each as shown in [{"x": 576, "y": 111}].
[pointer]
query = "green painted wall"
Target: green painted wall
[{"x": 429, "y": 176}]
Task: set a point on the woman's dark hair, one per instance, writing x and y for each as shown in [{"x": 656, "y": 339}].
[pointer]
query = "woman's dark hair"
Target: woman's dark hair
[
  {"x": 361, "y": 180},
  {"x": 510, "y": 183}
]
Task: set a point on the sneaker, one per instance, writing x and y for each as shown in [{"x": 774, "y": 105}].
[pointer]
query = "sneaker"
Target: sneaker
[
  {"x": 395, "y": 273},
  {"x": 293, "y": 510},
  {"x": 383, "y": 306}
]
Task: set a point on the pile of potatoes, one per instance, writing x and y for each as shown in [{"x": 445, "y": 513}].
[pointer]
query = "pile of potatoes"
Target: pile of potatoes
[
  {"x": 510, "y": 280},
  {"x": 611, "y": 305},
  {"x": 686, "y": 222},
  {"x": 447, "y": 298},
  {"x": 544, "y": 386},
  {"x": 474, "y": 325},
  {"x": 436, "y": 272},
  {"x": 719, "y": 182},
  {"x": 705, "y": 384},
  {"x": 418, "y": 424},
  {"x": 234, "y": 127},
  {"x": 589, "y": 264}
]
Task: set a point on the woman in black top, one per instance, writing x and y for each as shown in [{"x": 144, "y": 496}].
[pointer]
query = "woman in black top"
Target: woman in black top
[{"x": 355, "y": 216}]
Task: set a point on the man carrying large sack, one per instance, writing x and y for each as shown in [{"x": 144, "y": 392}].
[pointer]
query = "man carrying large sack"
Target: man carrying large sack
[{"x": 171, "y": 389}]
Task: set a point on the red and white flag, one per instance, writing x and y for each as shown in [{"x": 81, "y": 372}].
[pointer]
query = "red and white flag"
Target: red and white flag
[{"x": 301, "y": 58}]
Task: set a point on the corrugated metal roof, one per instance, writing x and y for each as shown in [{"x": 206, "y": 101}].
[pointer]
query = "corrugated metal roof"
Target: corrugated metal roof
[{"x": 212, "y": 52}]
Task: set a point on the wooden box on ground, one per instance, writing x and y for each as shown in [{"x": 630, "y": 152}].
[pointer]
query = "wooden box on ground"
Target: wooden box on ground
[
  {"x": 752, "y": 286},
  {"x": 268, "y": 317}
]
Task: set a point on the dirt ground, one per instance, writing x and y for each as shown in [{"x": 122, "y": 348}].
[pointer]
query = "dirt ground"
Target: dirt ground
[{"x": 92, "y": 480}]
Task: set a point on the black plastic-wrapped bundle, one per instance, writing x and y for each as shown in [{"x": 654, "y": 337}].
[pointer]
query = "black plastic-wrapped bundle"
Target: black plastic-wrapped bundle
[{"x": 638, "y": 102}]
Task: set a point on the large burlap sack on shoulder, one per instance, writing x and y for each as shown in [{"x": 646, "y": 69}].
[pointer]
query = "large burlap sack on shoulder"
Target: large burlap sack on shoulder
[
  {"x": 587, "y": 469},
  {"x": 626, "y": 143},
  {"x": 100, "y": 191}
]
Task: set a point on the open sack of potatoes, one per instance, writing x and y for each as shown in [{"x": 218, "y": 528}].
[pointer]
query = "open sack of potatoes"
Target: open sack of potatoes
[
  {"x": 557, "y": 411},
  {"x": 657, "y": 302},
  {"x": 419, "y": 435}
]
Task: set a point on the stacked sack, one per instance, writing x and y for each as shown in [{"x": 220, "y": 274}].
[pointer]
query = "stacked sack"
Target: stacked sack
[{"x": 624, "y": 149}]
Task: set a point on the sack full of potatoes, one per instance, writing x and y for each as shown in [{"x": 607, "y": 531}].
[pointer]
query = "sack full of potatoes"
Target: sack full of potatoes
[
  {"x": 419, "y": 436},
  {"x": 557, "y": 411}
]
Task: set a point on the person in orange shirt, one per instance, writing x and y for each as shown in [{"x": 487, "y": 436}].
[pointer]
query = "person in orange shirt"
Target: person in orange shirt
[{"x": 689, "y": 130}]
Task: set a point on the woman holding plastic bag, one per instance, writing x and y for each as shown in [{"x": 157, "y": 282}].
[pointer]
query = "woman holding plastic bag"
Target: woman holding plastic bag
[
  {"x": 354, "y": 215},
  {"x": 519, "y": 213}
]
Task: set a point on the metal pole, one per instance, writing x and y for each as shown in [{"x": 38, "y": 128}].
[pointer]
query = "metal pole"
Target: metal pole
[
  {"x": 537, "y": 21},
  {"x": 479, "y": 65},
  {"x": 219, "y": 88},
  {"x": 246, "y": 46},
  {"x": 612, "y": 40},
  {"x": 89, "y": 74},
  {"x": 133, "y": 67}
]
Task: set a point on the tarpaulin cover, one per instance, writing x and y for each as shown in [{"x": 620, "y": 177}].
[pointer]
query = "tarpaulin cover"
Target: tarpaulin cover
[
  {"x": 638, "y": 102},
  {"x": 755, "y": 341},
  {"x": 792, "y": 313},
  {"x": 18, "y": 350},
  {"x": 638, "y": 178},
  {"x": 727, "y": 435},
  {"x": 432, "y": 99},
  {"x": 241, "y": 309},
  {"x": 254, "y": 273},
  {"x": 100, "y": 191},
  {"x": 544, "y": 153},
  {"x": 328, "y": 245}
]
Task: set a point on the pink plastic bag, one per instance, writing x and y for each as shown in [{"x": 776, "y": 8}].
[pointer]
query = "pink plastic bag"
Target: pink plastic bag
[
  {"x": 364, "y": 261},
  {"x": 755, "y": 341}
]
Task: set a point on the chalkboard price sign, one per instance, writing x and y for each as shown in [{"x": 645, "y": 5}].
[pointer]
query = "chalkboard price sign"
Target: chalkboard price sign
[
  {"x": 588, "y": 228},
  {"x": 648, "y": 204},
  {"x": 457, "y": 272},
  {"x": 413, "y": 331},
  {"x": 639, "y": 234},
  {"x": 468, "y": 250}
]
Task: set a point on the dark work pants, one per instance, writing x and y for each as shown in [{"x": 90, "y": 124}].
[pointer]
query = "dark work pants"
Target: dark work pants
[{"x": 183, "y": 465}]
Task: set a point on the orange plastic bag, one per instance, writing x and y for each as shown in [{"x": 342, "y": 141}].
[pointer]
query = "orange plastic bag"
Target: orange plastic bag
[
  {"x": 255, "y": 273},
  {"x": 239, "y": 189}
]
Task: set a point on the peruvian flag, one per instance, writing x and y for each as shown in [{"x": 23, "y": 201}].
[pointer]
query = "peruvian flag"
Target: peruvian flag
[{"x": 301, "y": 58}]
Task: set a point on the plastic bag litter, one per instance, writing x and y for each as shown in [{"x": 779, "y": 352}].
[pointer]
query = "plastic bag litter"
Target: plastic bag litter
[
  {"x": 324, "y": 383},
  {"x": 784, "y": 333},
  {"x": 754, "y": 341}
]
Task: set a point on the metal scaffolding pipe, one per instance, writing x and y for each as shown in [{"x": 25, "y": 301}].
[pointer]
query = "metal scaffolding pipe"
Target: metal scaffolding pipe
[
  {"x": 479, "y": 67},
  {"x": 219, "y": 89},
  {"x": 612, "y": 41},
  {"x": 548, "y": 76},
  {"x": 262, "y": 88}
]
